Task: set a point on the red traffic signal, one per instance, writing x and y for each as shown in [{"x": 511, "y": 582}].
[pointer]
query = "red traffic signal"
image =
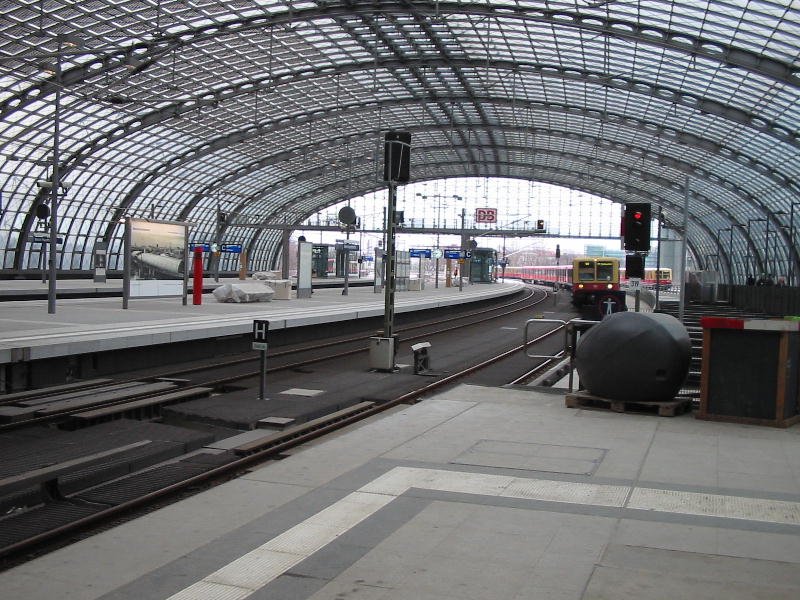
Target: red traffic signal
[{"x": 636, "y": 227}]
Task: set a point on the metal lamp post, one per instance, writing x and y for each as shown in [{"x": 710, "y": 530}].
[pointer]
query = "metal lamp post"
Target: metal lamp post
[
  {"x": 719, "y": 252},
  {"x": 746, "y": 257},
  {"x": 463, "y": 249},
  {"x": 56, "y": 186},
  {"x": 749, "y": 240},
  {"x": 438, "y": 226},
  {"x": 770, "y": 271},
  {"x": 51, "y": 284}
]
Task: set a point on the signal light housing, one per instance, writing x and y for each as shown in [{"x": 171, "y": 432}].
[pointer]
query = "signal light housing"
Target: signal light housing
[
  {"x": 636, "y": 227},
  {"x": 634, "y": 266}
]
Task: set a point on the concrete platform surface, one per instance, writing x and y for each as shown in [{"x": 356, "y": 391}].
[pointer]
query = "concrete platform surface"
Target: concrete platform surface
[
  {"x": 479, "y": 494},
  {"x": 9, "y": 288},
  {"x": 28, "y": 332}
]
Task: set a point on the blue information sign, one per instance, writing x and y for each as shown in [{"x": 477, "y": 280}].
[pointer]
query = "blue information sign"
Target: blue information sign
[
  {"x": 233, "y": 248},
  {"x": 419, "y": 253},
  {"x": 452, "y": 254},
  {"x": 205, "y": 247},
  {"x": 45, "y": 239}
]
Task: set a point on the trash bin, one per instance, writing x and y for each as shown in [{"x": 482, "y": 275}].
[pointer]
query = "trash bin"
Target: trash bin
[
  {"x": 282, "y": 287},
  {"x": 750, "y": 371}
]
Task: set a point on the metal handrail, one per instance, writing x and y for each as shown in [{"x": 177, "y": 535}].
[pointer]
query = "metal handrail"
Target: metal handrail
[
  {"x": 527, "y": 340},
  {"x": 572, "y": 329}
]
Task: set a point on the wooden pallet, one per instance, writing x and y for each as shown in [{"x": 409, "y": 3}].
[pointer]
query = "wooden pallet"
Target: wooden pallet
[{"x": 663, "y": 409}]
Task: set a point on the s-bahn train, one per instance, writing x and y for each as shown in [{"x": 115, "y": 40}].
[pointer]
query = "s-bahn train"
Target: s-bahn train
[
  {"x": 664, "y": 279},
  {"x": 561, "y": 275},
  {"x": 593, "y": 280}
]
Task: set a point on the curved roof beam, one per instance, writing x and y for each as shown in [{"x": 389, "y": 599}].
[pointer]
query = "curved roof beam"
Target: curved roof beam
[
  {"x": 388, "y": 42},
  {"x": 581, "y": 159},
  {"x": 369, "y": 185},
  {"x": 617, "y": 82},
  {"x": 302, "y": 118},
  {"x": 136, "y": 58},
  {"x": 172, "y": 111},
  {"x": 655, "y": 129},
  {"x": 639, "y": 151},
  {"x": 291, "y": 153},
  {"x": 689, "y": 44},
  {"x": 648, "y": 196},
  {"x": 465, "y": 84},
  {"x": 658, "y": 36}
]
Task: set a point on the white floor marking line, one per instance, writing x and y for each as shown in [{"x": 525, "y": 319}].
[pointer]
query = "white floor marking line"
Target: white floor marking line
[
  {"x": 716, "y": 505},
  {"x": 239, "y": 579},
  {"x": 257, "y": 568}
]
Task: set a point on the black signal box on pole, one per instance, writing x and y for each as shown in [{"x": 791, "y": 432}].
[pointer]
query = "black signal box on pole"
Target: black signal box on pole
[
  {"x": 636, "y": 233},
  {"x": 397, "y": 156},
  {"x": 634, "y": 266}
]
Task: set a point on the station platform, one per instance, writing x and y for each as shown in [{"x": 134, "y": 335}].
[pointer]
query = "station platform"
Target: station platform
[
  {"x": 36, "y": 289},
  {"x": 82, "y": 326},
  {"x": 478, "y": 494}
]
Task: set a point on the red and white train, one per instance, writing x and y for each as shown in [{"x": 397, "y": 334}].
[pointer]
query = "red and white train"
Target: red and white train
[{"x": 562, "y": 275}]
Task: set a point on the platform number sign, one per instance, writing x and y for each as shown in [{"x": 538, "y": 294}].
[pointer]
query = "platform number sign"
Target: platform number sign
[
  {"x": 486, "y": 215},
  {"x": 260, "y": 330}
]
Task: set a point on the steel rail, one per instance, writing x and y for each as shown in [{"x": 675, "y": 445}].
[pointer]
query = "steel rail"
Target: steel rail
[
  {"x": 520, "y": 304},
  {"x": 294, "y": 438}
]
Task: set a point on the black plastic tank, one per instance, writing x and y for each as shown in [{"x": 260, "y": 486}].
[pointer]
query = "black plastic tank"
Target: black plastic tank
[{"x": 634, "y": 357}]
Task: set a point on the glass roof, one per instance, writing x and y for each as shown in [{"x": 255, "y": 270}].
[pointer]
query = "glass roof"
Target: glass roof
[{"x": 273, "y": 110}]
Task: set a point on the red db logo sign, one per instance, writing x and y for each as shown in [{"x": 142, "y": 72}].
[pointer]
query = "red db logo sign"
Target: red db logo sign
[{"x": 486, "y": 215}]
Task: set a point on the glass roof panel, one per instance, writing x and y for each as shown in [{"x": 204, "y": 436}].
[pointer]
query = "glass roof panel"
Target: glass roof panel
[{"x": 176, "y": 102}]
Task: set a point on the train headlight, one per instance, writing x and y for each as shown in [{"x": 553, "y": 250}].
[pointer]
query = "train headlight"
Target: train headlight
[
  {"x": 610, "y": 285},
  {"x": 580, "y": 286}
]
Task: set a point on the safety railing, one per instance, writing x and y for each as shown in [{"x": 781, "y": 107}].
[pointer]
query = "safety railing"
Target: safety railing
[{"x": 572, "y": 331}]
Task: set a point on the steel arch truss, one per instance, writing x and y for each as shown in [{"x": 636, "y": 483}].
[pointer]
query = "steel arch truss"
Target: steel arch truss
[{"x": 279, "y": 109}]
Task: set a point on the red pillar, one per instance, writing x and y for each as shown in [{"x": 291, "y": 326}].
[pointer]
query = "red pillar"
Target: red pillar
[{"x": 197, "y": 286}]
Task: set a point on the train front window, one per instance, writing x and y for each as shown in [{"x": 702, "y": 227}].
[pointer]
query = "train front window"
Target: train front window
[
  {"x": 585, "y": 270},
  {"x": 605, "y": 270}
]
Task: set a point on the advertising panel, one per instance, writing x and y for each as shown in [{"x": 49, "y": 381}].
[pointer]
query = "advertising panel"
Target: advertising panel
[{"x": 155, "y": 259}]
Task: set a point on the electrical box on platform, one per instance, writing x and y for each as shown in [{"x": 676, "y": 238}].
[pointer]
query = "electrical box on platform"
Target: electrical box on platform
[{"x": 381, "y": 353}]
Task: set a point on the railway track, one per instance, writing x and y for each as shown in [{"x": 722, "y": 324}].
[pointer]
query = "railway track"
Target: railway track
[
  {"x": 65, "y": 514},
  {"x": 217, "y": 374}
]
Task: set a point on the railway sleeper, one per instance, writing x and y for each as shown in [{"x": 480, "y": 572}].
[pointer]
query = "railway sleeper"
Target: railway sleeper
[
  {"x": 275, "y": 438},
  {"x": 23, "y": 529},
  {"x": 143, "y": 408}
]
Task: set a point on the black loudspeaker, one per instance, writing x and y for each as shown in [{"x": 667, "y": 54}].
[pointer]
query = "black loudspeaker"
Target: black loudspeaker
[
  {"x": 42, "y": 211},
  {"x": 397, "y": 156},
  {"x": 634, "y": 266},
  {"x": 637, "y": 227}
]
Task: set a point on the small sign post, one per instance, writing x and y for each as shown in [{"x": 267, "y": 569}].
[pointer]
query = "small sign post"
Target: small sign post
[
  {"x": 635, "y": 283},
  {"x": 260, "y": 330}
]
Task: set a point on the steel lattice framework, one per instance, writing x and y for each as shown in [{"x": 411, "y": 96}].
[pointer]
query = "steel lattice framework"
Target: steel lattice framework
[{"x": 275, "y": 110}]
